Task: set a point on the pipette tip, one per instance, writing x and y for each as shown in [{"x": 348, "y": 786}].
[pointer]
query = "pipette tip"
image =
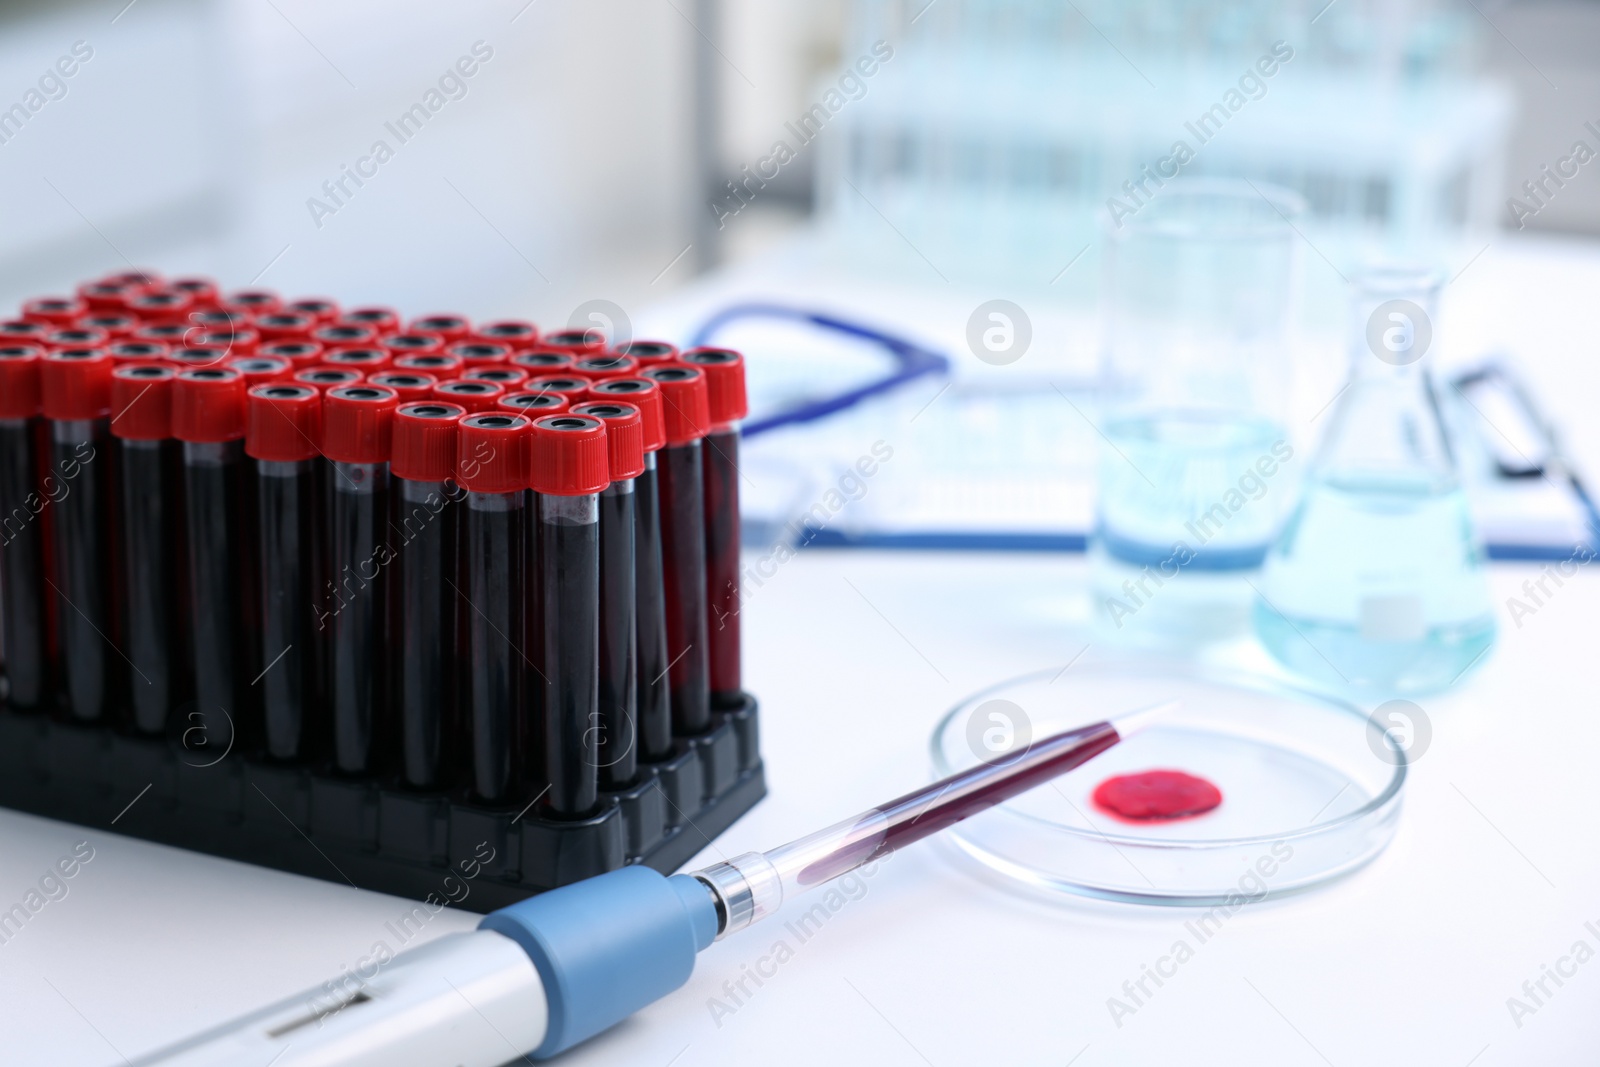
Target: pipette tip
[{"x": 1131, "y": 722}]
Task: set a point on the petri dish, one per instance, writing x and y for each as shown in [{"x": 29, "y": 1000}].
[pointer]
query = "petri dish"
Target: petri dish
[{"x": 1311, "y": 789}]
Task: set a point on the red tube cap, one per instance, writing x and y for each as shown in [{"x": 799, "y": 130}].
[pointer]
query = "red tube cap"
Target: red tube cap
[
  {"x": 138, "y": 351},
  {"x": 208, "y": 405},
  {"x": 480, "y": 353},
  {"x": 202, "y": 292},
  {"x": 365, "y": 360},
  {"x": 411, "y": 344},
  {"x": 159, "y": 305},
  {"x": 325, "y": 378},
  {"x": 107, "y": 295},
  {"x": 77, "y": 337},
  {"x": 569, "y": 385},
  {"x": 599, "y": 368},
  {"x": 474, "y": 396},
  {"x": 345, "y": 335},
  {"x": 649, "y": 353},
  {"x": 248, "y": 302},
  {"x": 358, "y": 423},
  {"x": 141, "y": 401},
  {"x": 19, "y": 380},
  {"x": 643, "y": 394},
  {"x": 114, "y": 324},
  {"x": 506, "y": 332},
  {"x": 198, "y": 356},
  {"x": 724, "y": 371},
  {"x": 685, "y": 404},
  {"x": 75, "y": 383},
  {"x": 451, "y": 328},
  {"x": 499, "y": 373},
  {"x": 136, "y": 276},
  {"x": 284, "y": 326},
  {"x": 285, "y": 422},
  {"x": 579, "y": 342},
  {"x": 258, "y": 370},
  {"x": 624, "y": 435},
  {"x": 25, "y": 332},
  {"x": 376, "y": 319},
  {"x": 318, "y": 308},
  {"x": 534, "y": 405},
  {"x": 302, "y": 354},
  {"x": 239, "y": 341},
  {"x": 409, "y": 386},
  {"x": 169, "y": 334},
  {"x": 438, "y": 364},
  {"x": 568, "y": 455},
  {"x": 542, "y": 361},
  {"x": 55, "y": 310},
  {"x": 425, "y": 441},
  {"x": 491, "y": 452}
]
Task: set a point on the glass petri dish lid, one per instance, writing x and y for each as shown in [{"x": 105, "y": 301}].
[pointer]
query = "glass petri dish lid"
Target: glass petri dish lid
[{"x": 1311, "y": 789}]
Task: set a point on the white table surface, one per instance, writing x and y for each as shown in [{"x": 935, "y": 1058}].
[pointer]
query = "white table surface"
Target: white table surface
[{"x": 1494, "y": 872}]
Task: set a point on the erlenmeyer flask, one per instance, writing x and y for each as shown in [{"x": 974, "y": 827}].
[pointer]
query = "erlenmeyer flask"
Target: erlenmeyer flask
[{"x": 1377, "y": 580}]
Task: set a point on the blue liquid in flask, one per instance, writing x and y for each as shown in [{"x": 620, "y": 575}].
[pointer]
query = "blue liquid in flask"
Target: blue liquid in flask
[{"x": 1377, "y": 582}]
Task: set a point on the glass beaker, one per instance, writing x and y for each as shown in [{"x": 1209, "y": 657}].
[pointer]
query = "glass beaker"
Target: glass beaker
[
  {"x": 1377, "y": 581},
  {"x": 1201, "y": 285}
]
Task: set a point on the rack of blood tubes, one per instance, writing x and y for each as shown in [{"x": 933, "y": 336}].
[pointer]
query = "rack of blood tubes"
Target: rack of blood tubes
[{"x": 323, "y": 590}]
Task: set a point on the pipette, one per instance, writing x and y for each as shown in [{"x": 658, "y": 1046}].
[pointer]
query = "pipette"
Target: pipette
[{"x": 542, "y": 975}]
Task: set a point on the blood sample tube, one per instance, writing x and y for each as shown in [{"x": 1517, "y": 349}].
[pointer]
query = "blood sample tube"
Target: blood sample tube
[
  {"x": 724, "y": 371},
  {"x": 506, "y": 332},
  {"x": 687, "y": 418},
  {"x": 202, "y": 292},
  {"x": 377, "y": 319},
  {"x": 319, "y": 309},
  {"x": 76, "y": 392},
  {"x": 479, "y": 353},
  {"x": 409, "y": 386},
  {"x": 138, "y": 352},
  {"x": 649, "y": 353},
  {"x": 54, "y": 310},
  {"x": 568, "y": 469},
  {"x": 116, "y": 325},
  {"x": 283, "y": 426},
  {"x": 580, "y": 343},
  {"x": 501, "y": 374},
  {"x": 655, "y": 691},
  {"x": 357, "y": 422},
  {"x": 26, "y": 332},
  {"x": 169, "y": 334},
  {"x": 24, "y": 639},
  {"x": 438, "y": 364},
  {"x": 284, "y": 326},
  {"x": 533, "y": 405},
  {"x": 258, "y": 370},
  {"x": 425, "y": 498},
  {"x": 619, "y": 647},
  {"x": 325, "y": 378},
  {"x": 450, "y": 328},
  {"x": 76, "y": 337},
  {"x": 151, "y": 511},
  {"x": 410, "y": 344},
  {"x": 599, "y": 368},
  {"x": 106, "y": 295},
  {"x": 368, "y": 361},
  {"x": 474, "y": 396},
  {"x": 192, "y": 357},
  {"x": 246, "y": 303},
  {"x": 491, "y": 465},
  {"x": 541, "y": 362},
  {"x": 218, "y": 320},
  {"x": 235, "y": 341},
  {"x": 302, "y": 355},
  {"x": 344, "y": 335},
  {"x": 208, "y": 416}
]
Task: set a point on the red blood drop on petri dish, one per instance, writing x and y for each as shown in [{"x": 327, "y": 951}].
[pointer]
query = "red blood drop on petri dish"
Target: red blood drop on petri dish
[{"x": 1151, "y": 796}]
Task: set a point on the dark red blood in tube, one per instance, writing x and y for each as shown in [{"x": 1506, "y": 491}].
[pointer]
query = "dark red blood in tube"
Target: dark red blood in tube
[{"x": 683, "y": 543}]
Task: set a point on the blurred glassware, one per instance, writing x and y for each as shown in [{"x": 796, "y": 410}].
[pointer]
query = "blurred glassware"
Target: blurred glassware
[
  {"x": 1200, "y": 292},
  {"x": 1377, "y": 581}
]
